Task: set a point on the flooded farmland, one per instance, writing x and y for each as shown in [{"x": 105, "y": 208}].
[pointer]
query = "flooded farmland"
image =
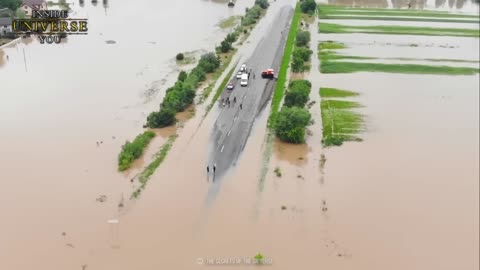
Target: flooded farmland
[{"x": 406, "y": 197}]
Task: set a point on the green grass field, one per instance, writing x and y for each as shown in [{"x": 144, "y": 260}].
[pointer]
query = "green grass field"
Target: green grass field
[{"x": 328, "y": 28}]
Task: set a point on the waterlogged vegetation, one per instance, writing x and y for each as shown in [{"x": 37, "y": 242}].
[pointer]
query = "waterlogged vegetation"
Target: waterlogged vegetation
[
  {"x": 326, "y": 92},
  {"x": 328, "y": 28},
  {"x": 328, "y": 63},
  {"x": 350, "y": 67},
  {"x": 133, "y": 150},
  {"x": 340, "y": 122},
  {"x": 228, "y": 22},
  {"x": 329, "y": 10},
  {"x": 150, "y": 169}
]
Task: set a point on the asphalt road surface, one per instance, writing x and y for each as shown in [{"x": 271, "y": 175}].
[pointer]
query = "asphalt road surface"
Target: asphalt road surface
[{"x": 233, "y": 125}]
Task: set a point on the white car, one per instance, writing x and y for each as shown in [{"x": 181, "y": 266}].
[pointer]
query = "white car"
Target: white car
[
  {"x": 239, "y": 75},
  {"x": 243, "y": 68}
]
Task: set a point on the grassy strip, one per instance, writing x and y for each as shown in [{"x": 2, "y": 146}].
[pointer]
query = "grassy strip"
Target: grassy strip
[
  {"x": 228, "y": 22},
  {"x": 220, "y": 88},
  {"x": 335, "y": 93},
  {"x": 150, "y": 169},
  {"x": 328, "y": 9},
  {"x": 350, "y": 67},
  {"x": 334, "y": 17},
  {"x": 340, "y": 104},
  {"x": 133, "y": 150},
  {"x": 282, "y": 74},
  {"x": 397, "y": 30},
  {"x": 339, "y": 122},
  {"x": 227, "y": 59}
]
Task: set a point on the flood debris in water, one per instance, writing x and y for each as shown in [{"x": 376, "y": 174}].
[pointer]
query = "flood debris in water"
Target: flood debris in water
[{"x": 101, "y": 198}]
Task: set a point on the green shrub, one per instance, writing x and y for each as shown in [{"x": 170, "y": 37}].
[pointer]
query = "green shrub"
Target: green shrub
[
  {"x": 225, "y": 46},
  {"x": 302, "y": 39},
  {"x": 297, "y": 64},
  {"x": 133, "y": 150},
  {"x": 182, "y": 76},
  {"x": 209, "y": 62},
  {"x": 295, "y": 84},
  {"x": 262, "y": 3},
  {"x": 290, "y": 124},
  {"x": 298, "y": 94},
  {"x": 308, "y": 6},
  {"x": 164, "y": 118},
  {"x": 302, "y": 52},
  {"x": 180, "y": 57}
]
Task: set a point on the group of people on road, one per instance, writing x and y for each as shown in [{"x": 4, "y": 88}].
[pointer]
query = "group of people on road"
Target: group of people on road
[
  {"x": 214, "y": 168},
  {"x": 228, "y": 102}
]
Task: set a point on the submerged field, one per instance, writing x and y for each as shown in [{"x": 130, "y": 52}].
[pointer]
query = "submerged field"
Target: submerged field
[{"x": 340, "y": 122}]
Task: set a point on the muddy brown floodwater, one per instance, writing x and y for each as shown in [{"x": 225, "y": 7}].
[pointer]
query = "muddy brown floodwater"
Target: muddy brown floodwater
[{"x": 405, "y": 198}]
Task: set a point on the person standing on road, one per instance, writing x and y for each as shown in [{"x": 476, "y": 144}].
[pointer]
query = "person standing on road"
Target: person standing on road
[
  {"x": 234, "y": 99},
  {"x": 214, "y": 168},
  {"x": 208, "y": 169},
  {"x": 240, "y": 106}
]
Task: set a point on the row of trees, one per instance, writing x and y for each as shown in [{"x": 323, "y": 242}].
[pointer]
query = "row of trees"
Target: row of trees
[
  {"x": 301, "y": 53},
  {"x": 181, "y": 95},
  {"x": 294, "y": 118},
  {"x": 251, "y": 17}
]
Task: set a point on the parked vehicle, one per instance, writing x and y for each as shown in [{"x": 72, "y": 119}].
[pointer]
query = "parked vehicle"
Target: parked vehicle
[
  {"x": 243, "y": 68},
  {"x": 231, "y": 85},
  {"x": 231, "y": 3},
  {"x": 268, "y": 74},
  {"x": 244, "y": 80},
  {"x": 239, "y": 75}
]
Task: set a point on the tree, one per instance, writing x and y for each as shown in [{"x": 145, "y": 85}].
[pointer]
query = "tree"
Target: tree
[
  {"x": 308, "y": 6},
  {"x": 163, "y": 118},
  {"x": 20, "y": 13},
  {"x": 225, "y": 46},
  {"x": 302, "y": 52},
  {"x": 303, "y": 38},
  {"x": 209, "y": 62},
  {"x": 297, "y": 64},
  {"x": 180, "y": 57},
  {"x": 10, "y": 4},
  {"x": 262, "y": 3},
  {"x": 296, "y": 97},
  {"x": 291, "y": 123}
]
